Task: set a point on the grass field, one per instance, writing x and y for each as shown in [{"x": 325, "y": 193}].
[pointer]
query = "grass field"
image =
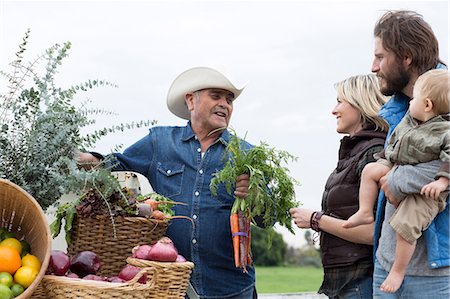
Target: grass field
[{"x": 288, "y": 279}]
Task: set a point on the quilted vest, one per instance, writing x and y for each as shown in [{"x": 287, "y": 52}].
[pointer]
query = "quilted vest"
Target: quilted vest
[{"x": 340, "y": 198}]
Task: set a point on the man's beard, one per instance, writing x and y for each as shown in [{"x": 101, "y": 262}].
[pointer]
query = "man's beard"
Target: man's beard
[{"x": 396, "y": 81}]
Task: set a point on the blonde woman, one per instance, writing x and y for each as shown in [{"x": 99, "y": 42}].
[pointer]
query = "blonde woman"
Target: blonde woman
[{"x": 347, "y": 252}]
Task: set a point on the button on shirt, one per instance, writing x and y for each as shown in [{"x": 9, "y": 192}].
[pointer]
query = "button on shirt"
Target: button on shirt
[{"x": 171, "y": 159}]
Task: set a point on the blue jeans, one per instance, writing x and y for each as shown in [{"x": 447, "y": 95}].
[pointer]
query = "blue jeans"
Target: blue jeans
[
  {"x": 420, "y": 287},
  {"x": 249, "y": 294},
  {"x": 358, "y": 289}
]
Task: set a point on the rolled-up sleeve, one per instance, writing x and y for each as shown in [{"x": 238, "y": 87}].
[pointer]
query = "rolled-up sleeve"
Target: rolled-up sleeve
[{"x": 409, "y": 179}]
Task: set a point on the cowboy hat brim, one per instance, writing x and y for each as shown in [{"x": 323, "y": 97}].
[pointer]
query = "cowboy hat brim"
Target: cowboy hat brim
[{"x": 195, "y": 79}]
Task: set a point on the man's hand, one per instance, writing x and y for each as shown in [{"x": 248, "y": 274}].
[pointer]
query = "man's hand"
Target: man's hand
[
  {"x": 389, "y": 196},
  {"x": 242, "y": 186},
  {"x": 434, "y": 189},
  {"x": 86, "y": 160},
  {"x": 301, "y": 217}
]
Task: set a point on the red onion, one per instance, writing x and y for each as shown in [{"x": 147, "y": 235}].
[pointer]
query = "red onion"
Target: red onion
[
  {"x": 84, "y": 263},
  {"x": 141, "y": 252},
  {"x": 94, "y": 277},
  {"x": 129, "y": 272},
  {"x": 59, "y": 263},
  {"x": 163, "y": 251},
  {"x": 180, "y": 259},
  {"x": 72, "y": 275}
]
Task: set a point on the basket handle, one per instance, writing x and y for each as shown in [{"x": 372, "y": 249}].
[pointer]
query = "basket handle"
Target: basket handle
[{"x": 149, "y": 271}]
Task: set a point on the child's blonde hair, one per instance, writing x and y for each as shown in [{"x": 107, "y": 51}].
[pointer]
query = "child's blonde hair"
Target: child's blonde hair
[
  {"x": 434, "y": 85},
  {"x": 363, "y": 93}
]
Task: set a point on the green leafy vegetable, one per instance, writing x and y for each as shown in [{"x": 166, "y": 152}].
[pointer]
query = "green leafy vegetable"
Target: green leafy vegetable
[{"x": 271, "y": 189}]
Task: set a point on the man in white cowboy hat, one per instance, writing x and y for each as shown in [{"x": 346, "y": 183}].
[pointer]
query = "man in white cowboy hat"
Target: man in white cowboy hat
[{"x": 179, "y": 163}]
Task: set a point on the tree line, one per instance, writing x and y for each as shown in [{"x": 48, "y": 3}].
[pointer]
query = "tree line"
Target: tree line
[{"x": 279, "y": 253}]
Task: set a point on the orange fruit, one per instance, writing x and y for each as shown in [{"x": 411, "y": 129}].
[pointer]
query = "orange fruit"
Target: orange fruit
[
  {"x": 9, "y": 259},
  {"x": 25, "y": 276},
  {"x": 31, "y": 261},
  {"x": 12, "y": 242}
]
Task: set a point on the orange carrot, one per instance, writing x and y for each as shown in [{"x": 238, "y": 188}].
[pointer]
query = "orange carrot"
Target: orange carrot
[
  {"x": 234, "y": 223},
  {"x": 158, "y": 215},
  {"x": 249, "y": 259},
  {"x": 154, "y": 203}
]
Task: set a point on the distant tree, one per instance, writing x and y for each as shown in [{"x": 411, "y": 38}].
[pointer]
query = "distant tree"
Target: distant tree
[
  {"x": 262, "y": 254},
  {"x": 308, "y": 238},
  {"x": 307, "y": 255}
]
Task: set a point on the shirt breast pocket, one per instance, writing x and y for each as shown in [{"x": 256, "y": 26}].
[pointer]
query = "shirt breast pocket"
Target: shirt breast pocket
[
  {"x": 170, "y": 178},
  {"x": 223, "y": 196}
]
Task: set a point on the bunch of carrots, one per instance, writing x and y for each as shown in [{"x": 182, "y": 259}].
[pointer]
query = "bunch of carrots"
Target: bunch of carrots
[{"x": 270, "y": 196}]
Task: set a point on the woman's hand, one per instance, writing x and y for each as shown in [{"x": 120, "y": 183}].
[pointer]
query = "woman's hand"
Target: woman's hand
[
  {"x": 301, "y": 217},
  {"x": 242, "y": 186}
]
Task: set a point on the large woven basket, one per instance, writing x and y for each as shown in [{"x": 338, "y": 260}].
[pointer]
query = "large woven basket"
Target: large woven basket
[
  {"x": 21, "y": 214},
  {"x": 172, "y": 278},
  {"x": 60, "y": 287},
  {"x": 113, "y": 243}
]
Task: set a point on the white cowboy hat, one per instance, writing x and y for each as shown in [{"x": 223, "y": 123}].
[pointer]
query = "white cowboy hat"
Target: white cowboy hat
[{"x": 195, "y": 79}]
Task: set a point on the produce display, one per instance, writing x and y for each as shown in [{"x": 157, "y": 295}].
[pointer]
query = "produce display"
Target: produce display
[
  {"x": 76, "y": 272},
  {"x": 37, "y": 109},
  {"x": 18, "y": 267}
]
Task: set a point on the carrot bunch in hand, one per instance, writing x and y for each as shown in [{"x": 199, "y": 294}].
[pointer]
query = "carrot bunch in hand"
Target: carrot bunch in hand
[{"x": 264, "y": 167}]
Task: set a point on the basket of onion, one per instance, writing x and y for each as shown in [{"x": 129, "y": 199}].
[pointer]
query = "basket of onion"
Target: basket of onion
[
  {"x": 78, "y": 277},
  {"x": 171, "y": 270}
]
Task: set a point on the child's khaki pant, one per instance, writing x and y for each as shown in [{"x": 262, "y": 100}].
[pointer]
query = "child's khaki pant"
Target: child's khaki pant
[{"x": 414, "y": 214}]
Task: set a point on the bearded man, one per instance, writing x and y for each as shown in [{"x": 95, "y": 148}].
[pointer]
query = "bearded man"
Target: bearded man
[{"x": 405, "y": 48}]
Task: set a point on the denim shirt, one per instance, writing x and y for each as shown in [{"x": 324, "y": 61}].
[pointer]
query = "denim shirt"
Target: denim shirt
[
  {"x": 171, "y": 159},
  {"x": 437, "y": 234}
]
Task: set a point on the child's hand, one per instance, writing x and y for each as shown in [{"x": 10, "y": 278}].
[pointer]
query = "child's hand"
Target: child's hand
[{"x": 433, "y": 189}]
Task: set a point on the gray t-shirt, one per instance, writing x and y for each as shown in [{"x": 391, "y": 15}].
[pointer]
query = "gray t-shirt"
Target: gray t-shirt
[
  {"x": 405, "y": 180},
  {"x": 418, "y": 265}
]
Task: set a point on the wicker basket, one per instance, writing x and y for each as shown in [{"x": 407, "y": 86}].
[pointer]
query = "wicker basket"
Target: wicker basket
[
  {"x": 172, "y": 278},
  {"x": 113, "y": 246},
  {"x": 60, "y": 287},
  {"x": 21, "y": 214}
]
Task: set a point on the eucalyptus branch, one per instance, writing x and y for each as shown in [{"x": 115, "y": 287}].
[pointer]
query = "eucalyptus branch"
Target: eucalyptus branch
[{"x": 40, "y": 128}]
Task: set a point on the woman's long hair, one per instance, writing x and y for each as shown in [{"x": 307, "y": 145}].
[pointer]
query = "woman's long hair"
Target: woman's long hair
[{"x": 363, "y": 93}]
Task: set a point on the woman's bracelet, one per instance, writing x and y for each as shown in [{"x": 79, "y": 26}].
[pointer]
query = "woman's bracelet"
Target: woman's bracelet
[{"x": 314, "y": 220}]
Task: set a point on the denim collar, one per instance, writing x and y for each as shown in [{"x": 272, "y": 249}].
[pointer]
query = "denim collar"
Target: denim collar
[{"x": 188, "y": 134}]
